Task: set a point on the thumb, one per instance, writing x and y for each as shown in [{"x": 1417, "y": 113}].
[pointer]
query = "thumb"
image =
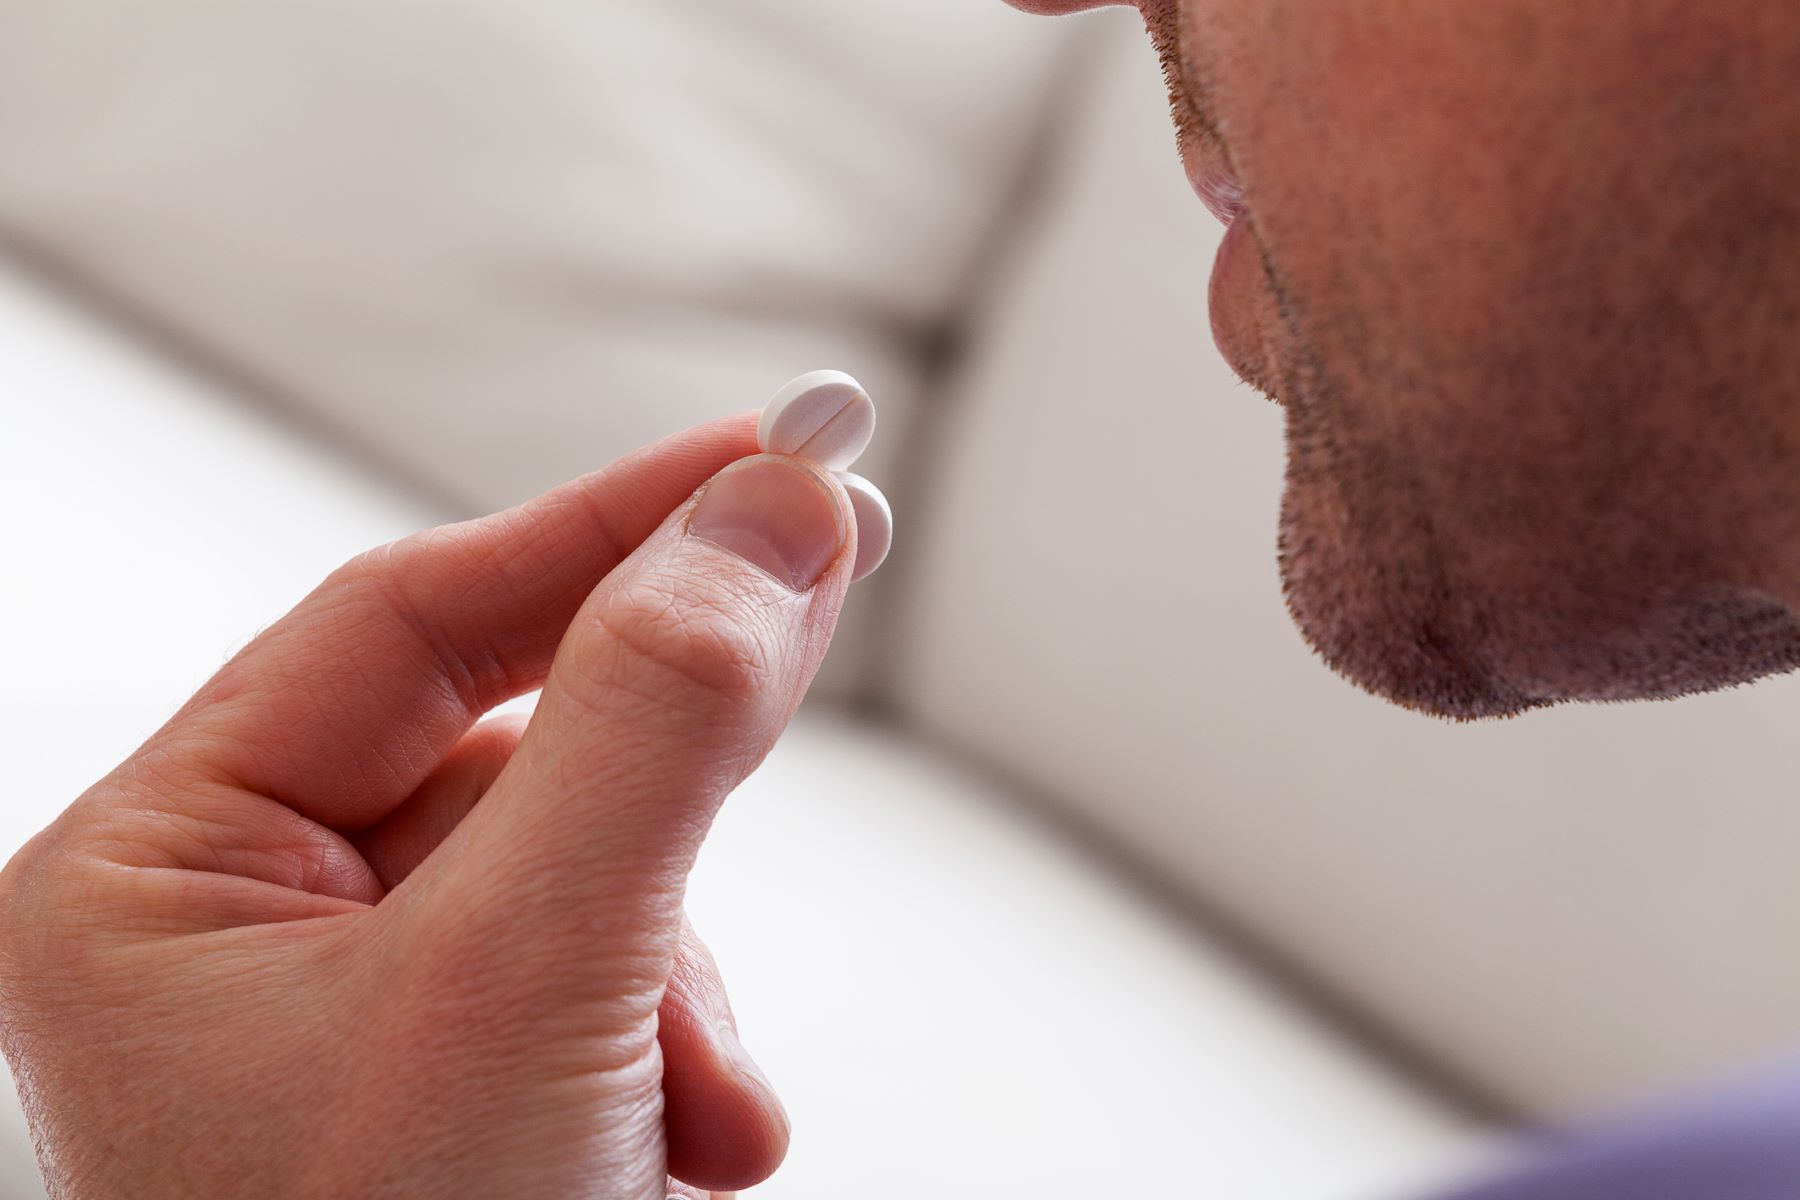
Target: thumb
[{"x": 674, "y": 680}]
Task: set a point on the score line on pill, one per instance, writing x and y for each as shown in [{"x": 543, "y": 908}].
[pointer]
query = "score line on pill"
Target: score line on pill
[
  {"x": 827, "y": 418},
  {"x": 823, "y": 415}
]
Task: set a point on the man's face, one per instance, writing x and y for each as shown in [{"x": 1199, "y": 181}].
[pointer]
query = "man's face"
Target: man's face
[{"x": 1526, "y": 276}]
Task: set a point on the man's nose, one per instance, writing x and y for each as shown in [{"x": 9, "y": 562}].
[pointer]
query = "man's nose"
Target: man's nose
[{"x": 1053, "y": 7}]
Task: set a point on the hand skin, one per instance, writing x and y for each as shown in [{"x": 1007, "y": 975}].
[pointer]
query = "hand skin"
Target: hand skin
[{"x": 324, "y": 935}]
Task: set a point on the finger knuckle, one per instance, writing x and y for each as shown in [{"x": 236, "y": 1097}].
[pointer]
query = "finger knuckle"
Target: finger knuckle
[
  {"x": 703, "y": 653},
  {"x": 405, "y": 586},
  {"x": 41, "y": 906}
]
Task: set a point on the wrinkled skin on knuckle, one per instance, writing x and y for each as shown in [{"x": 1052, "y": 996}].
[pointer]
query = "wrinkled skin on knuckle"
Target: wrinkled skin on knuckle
[
  {"x": 22, "y": 935},
  {"x": 411, "y": 565},
  {"x": 677, "y": 645},
  {"x": 53, "y": 894}
]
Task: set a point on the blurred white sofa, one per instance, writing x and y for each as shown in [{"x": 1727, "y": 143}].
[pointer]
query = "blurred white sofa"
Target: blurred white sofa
[{"x": 1081, "y": 871}]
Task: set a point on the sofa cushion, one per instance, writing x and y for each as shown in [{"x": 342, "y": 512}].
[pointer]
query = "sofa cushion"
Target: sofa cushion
[
  {"x": 944, "y": 990},
  {"x": 1565, "y": 909},
  {"x": 499, "y": 244}
]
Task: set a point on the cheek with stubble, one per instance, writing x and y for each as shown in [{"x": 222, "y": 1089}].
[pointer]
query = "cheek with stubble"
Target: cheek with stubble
[{"x": 1517, "y": 471}]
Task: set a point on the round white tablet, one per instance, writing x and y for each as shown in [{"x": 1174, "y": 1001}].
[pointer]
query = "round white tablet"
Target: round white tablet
[
  {"x": 823, "y": 415},
  {"x": 874, "y": 523}
]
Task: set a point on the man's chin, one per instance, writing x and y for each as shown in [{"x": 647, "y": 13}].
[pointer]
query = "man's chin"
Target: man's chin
[
  {"x": 1467, "y": 658},
  {"x": 1650, "y": 643},
  {"x": 1412, "y": 662}
]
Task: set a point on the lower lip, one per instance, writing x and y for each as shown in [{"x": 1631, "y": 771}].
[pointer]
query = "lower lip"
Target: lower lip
[
  {"x": 1241, "y": 311},
  {"x": 1231, "y": 298}
]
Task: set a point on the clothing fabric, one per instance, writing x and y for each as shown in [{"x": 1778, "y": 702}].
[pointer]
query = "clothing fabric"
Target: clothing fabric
[{"x": 1739, "y": 1144}]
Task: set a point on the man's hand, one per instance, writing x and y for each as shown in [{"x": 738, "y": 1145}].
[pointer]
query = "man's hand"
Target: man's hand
[{"x": 326, "y": 936}]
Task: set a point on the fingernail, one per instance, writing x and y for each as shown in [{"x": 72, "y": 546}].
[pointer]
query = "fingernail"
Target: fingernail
[
  {"x": 734, "y": 1052},
  {"x": 774, "y": 513}
]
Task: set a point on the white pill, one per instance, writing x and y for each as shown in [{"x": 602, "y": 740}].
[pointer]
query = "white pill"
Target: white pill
[
  {"x": 823, "y": 415},
  {"x": 874, "y": 523}
]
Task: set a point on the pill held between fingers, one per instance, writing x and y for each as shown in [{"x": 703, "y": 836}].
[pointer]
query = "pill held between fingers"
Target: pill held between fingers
[
  {"x": 874, "y": 523},
  {"x": 825, "y": 416}
]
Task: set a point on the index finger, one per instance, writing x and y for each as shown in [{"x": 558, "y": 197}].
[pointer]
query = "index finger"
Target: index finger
[{"x": 342, "y": 707}]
